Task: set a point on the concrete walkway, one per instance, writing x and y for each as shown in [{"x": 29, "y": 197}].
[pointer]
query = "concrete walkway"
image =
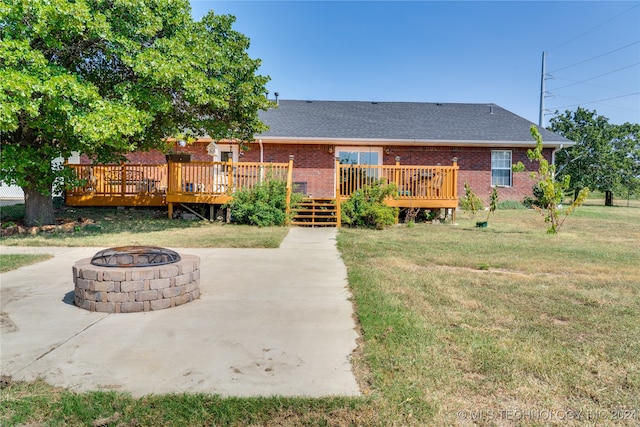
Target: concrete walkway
[{"x": 268, "y": 322}]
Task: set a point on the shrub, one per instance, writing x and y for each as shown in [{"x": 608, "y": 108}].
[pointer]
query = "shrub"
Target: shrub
[
  {"x": 538, "y": 200},
  {"x": 264, "y": 205},
  {"x": 366, "y": 208}
]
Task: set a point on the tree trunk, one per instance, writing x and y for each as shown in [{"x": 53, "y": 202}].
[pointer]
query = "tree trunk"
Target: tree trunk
[
  {"x": 38, "y": 209},
  {"x": 608, "y": 198}
]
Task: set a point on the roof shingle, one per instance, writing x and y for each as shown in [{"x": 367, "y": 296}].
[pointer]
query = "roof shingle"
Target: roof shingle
[{"x": 404, "y": 121}]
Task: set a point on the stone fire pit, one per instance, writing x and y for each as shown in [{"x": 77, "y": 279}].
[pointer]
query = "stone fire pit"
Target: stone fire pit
[{"x": 136, "y": 278}]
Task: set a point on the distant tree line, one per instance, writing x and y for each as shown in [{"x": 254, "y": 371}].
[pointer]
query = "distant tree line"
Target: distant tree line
[{"x": 606, "y": 156}]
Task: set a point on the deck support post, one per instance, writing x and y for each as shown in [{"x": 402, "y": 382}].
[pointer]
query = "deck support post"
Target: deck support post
[
  {"x": 455, "y": 186},
  {"x": 288, "y": 188},
  {"x": 170, "y": 210},
  {"x": 396, "y": 177}
]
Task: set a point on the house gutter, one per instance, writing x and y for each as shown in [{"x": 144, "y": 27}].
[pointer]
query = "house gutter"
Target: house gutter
[
  {"x": 261, "y": 151},
  {"x": 404, "y": 142}
]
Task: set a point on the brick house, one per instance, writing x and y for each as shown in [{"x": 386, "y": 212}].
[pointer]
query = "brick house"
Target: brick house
[
  {"x": 486, "y": 139},
  {"x": 329, "y": 149}
]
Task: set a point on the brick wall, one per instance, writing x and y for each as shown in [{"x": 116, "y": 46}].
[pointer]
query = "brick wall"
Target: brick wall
[
  {"x": 198, "y": 151},
  {"x": 312, "y": 164}
]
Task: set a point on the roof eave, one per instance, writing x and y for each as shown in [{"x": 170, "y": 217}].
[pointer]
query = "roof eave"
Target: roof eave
[{"x": 415, "y": 142}]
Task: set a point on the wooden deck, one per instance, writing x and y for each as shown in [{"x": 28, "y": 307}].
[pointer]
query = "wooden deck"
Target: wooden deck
[
  {"x": 167, "y": 184},
  {"x": 213, "y": 183}
]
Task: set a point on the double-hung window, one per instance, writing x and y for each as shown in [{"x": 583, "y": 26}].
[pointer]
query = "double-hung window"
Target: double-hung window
[{"x": 501, "y": 168}]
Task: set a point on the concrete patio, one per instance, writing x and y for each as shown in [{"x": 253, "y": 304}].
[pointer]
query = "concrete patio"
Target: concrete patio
[{"x": 268, "y": 322}]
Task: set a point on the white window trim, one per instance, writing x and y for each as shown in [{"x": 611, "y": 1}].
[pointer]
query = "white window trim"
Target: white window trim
[{"x": 510, "y": 169}]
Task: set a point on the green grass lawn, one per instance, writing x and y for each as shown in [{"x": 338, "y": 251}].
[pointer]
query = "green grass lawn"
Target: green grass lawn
[{"x": 460, "y": 326}]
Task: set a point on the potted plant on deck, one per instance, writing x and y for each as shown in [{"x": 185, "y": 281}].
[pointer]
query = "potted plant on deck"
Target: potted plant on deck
[
  {"x": 178, "y": 157},
  {"x": 181, "y": 140}
]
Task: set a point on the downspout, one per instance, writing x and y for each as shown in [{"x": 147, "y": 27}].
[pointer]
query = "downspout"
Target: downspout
[{"x": 553, "y": 154}]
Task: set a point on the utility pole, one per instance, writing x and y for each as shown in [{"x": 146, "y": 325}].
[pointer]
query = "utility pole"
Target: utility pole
[{"x": 542, "y": 78}]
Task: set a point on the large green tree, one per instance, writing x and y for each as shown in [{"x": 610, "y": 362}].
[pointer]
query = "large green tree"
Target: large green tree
[
  {"x": 626, "y": 141},
  {"x": 606, "y": 156},
  {"x": 107, "y": 77}
]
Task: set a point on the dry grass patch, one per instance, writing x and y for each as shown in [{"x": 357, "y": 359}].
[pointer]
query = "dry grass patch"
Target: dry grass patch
[{"x": 505, "y": 319}]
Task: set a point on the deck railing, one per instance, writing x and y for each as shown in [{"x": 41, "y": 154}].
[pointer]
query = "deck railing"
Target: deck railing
[
  {"x": 202, "y": 178},
  {"x": 413, "y": 182},
  {"x": 119, "y": 180}
]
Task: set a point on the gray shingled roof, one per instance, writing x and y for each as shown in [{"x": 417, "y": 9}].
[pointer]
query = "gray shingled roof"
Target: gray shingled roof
[{"x": 404, "y": 121}]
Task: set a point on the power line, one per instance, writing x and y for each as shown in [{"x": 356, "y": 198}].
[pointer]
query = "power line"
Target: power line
[
  {"x": 584, "y": 81},
  {"x": 600, "y": 100},
  {"x": 597, "y": 26},
  {"x": 584, "y": 101},
  {"x": 595, "y": 57},
  {"x": 587, "y": 84},
  {"x": 595, "y": 77}
]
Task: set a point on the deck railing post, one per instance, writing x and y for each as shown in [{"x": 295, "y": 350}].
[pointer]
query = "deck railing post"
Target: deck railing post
[
  {"x": 170, "y": 186},
  {"x": 396, "y": 174},
  {"x": 455, "y": 177},
  {"x": 123, "y": 179},
  {"x": 179, "y": 187},
  {"x": 170, "y": 177},
  {"x": 455, "y": 187},
  {"x": 229, "y": 176},
  {"x": 289, "y": 186}
]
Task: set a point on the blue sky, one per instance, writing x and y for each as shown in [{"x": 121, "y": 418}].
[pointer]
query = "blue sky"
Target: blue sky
[{"x": 455, "y": 51}]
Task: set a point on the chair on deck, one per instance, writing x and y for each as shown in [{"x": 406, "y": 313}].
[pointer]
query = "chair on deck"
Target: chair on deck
[
  {"x": 90, "y": 179},
  {"x": 435, "y": 184}
]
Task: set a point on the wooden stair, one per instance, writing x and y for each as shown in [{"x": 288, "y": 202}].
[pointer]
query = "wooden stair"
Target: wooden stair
[{"x": 316, "y": 213}]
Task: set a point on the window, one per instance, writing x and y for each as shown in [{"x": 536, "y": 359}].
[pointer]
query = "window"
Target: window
[
  {"x": 501, "y": 168},
  {"x": 371, "y": 156},
  {"x": 223, "y": 152},
  {"x": 225, "y": 156},
  {"x": 359, "y": 157}
]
